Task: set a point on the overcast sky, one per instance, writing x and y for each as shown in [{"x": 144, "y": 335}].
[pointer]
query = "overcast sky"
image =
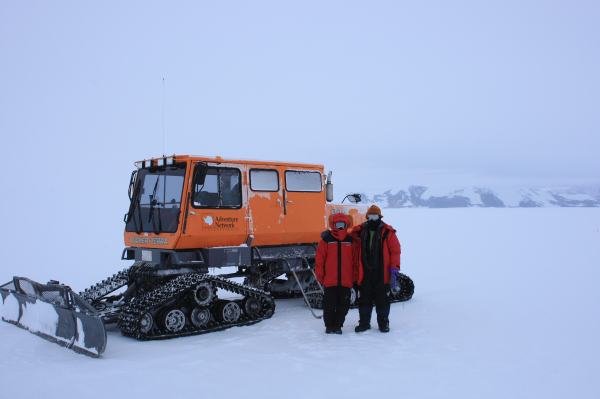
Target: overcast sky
[
  {"x": 499, "y": 89},
  {"x": 386, "y": 94}
]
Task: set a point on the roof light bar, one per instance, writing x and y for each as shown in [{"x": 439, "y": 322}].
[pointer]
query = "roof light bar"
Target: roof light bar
[{"x": 158, "y": 162}]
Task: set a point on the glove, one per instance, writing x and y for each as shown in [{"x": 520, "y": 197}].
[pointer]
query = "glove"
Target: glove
[{"x": 394, "y": 284}]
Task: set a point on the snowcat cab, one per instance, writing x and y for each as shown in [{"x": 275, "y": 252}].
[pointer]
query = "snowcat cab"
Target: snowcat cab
[{"x": 211, "y": 212}]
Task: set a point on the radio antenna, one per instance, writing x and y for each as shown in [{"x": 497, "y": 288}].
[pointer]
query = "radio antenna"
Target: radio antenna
[{"x": 164, "y": 130}]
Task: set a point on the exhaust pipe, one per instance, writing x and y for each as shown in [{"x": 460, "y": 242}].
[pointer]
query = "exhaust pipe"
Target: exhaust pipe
[{"x": 329, "y": 188}]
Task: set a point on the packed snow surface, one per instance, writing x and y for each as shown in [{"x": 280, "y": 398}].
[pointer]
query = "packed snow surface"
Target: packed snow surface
[
  {"x": 10, "y": 308},
  {"x": 506, "y": 305}
]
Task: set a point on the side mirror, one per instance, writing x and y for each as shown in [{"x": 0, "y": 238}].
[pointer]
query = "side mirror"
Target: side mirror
[
  {"x": 200, "y": 174},
  {"x": 132, "y": 180},
  {"x": 355, "y": 198}
]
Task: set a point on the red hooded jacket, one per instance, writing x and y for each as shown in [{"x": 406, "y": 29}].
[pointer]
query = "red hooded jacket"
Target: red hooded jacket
[
  {"x": 334, "y": 262},
  {"x": 390, "y": 251}
]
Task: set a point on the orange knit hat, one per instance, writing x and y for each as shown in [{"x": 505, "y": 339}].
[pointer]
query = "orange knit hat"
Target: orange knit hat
[{"x": 374, "y": 210}]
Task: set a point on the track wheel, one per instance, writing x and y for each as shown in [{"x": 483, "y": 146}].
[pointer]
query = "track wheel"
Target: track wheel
[
  {"x": 174, "y": 320},
  {"x": 269, "y": 310},
  {"x": 252, "y": 306},
  {"x": 200, "y": 317},
  {"x": 204, "y": 293},
  {"x": 146, "y": 323},
  {"x": 228, "y": 311}
]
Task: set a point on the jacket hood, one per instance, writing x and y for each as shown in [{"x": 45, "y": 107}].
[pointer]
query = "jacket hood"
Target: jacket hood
[
  {"x": 357, "y": 229},
  {"x": 339, "y": 217}
]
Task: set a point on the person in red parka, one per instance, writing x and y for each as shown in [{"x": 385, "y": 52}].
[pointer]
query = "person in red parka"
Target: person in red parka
[
  {"x": 334, "y": 267},
  {"x": 377, "y": 252}
]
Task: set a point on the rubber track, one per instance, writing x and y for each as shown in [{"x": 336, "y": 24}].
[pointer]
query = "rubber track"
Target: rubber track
[
  {"x": 106, "y": 286},
  {"x": 131, "y": 313}
]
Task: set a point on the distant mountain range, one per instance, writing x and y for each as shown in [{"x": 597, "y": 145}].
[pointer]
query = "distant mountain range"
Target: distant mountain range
[{"x": 428, "y": 197}]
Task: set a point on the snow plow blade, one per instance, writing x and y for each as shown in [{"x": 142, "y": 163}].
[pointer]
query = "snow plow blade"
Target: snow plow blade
[{"x": 54, "y": 312}]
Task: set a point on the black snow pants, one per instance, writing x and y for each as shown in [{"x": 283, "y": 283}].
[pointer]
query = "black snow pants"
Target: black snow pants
[
  {"x": 374, "y": 293},
  {"x": 336, "y": 302}
]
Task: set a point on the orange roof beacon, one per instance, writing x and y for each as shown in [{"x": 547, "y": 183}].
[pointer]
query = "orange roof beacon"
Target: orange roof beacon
[{"x": 213, "y": 241}]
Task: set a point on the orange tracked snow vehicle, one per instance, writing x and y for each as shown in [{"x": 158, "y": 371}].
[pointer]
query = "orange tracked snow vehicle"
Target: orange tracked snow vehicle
[{"x": 189, "y": 215}]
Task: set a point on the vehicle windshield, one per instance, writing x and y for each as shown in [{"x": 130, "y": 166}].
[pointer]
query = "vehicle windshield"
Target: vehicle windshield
[{"x": 156, "y": 200}]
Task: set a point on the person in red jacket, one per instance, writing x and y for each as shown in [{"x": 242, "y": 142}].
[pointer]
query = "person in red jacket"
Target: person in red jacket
[
  {"x": 334, "y": 267},
  {"x": 377, "y": 252}
]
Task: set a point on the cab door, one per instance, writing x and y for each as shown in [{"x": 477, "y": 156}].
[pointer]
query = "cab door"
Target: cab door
[
  {"x": 304, "y": 205},
  {"x": 217, "y": 215},
  {"x": 265, "y": 205}
]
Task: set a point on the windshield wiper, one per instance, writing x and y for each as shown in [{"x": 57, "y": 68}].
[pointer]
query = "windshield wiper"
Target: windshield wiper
[
  {"x": 159, "y": 220},
  {"x": 153, "y": 200}
]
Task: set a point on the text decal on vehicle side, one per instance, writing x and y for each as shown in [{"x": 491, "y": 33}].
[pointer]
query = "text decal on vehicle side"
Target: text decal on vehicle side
[
  {"x": 220, "y": 222},
  {"x": 150, "y": 240}
]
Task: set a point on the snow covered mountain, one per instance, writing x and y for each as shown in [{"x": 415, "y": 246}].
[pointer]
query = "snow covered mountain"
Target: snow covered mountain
[{"x": 430, "y": 197}]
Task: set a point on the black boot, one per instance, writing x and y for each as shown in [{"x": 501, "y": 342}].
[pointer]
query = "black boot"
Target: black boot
[
  {"x": 337, "y": 331},
  {"x": 384, "y": 327},
  {"x": 328, "y": 330},
  {"x": 362, "y": 327},
  {"x": 382, "y": 319}
]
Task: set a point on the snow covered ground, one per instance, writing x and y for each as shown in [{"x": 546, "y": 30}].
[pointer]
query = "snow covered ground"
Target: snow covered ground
[{"x": 506, "y": 305}]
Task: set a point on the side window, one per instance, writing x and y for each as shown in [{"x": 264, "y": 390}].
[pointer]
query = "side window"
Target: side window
[
  {"x": 221, "y": 189},
  {"x": 296, "y": 180},
  {"x": 264, "y": 180}
]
